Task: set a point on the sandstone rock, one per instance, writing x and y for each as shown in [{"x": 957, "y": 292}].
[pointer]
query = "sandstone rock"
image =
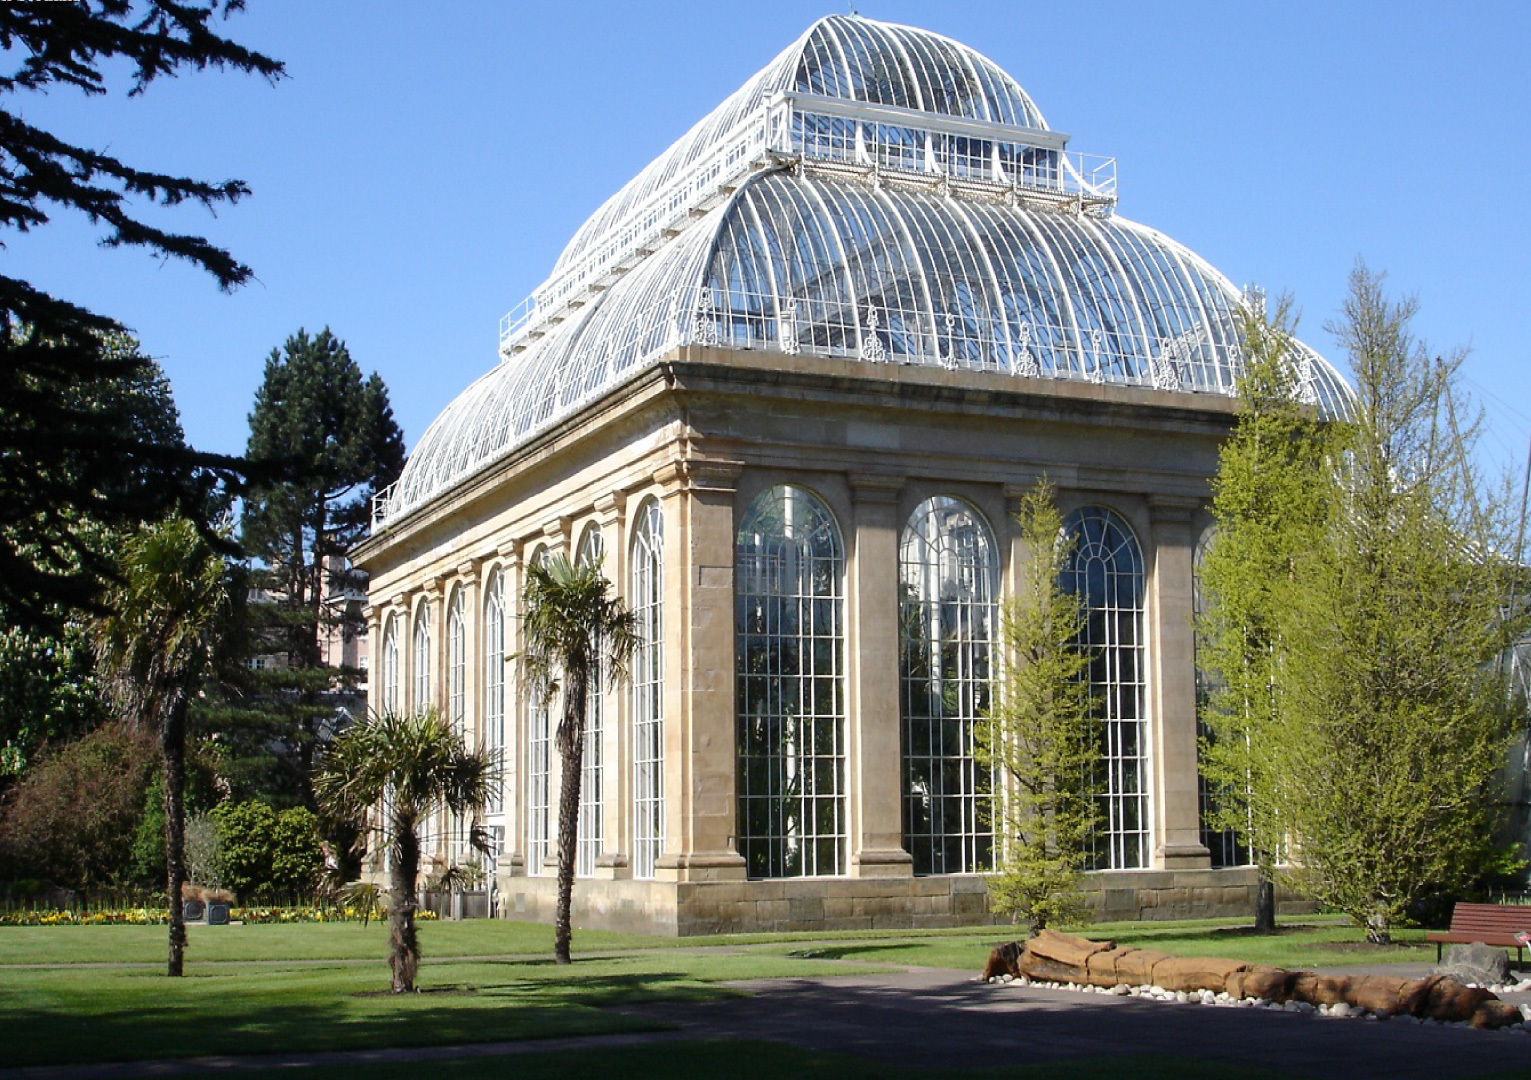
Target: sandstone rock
[
  {"x": 1319, "y": 989},
  {"x": 1449, "y": 1000},
  {"x": 1494, "y": 1014},
  {"x": 1136, "y": 966},
  {"x": 1267, "y": 983},
  {"x": 1386, "y": 993},
  {"x": 1195, "y": 972},
  {"x": 1101, "y": 967},
  {"x": 1066, "y": 949},
  {"x": 1482, "y": 964},
  {"x": 1003, "y": 960}
]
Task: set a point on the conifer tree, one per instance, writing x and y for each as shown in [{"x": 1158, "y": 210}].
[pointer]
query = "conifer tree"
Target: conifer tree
[
  {"x": 1359, "y": 597},
  {"x": 57, "y": 456},
  {"x": 1400, "y": 716},
  {"x": 333, "y": 435},
  {"x": 1268, "y": 506},
  {"x": 1043, "y": 737}
]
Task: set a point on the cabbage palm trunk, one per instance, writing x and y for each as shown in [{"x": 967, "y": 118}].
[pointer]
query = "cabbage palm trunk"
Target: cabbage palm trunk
[
  {"x": 165, "y": 616},
  {"x": 390, "y": 772},
  {"x": 572, "y": 629}
]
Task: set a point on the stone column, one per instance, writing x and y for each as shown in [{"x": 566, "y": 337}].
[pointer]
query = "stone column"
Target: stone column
[
  {"x": 616, "y": 762},
  {"x": 875, "y": 746},
  {"x": 700, "y": 815},
  {"x": 513, "y": 748},
  {"x": 1172, "y": 687},
  {"x": 556, "y": 536},
  {"x": 374, "y": 617}
]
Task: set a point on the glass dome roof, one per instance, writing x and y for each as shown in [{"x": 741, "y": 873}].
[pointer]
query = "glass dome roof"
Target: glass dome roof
[{"x": 935, "y": 238}]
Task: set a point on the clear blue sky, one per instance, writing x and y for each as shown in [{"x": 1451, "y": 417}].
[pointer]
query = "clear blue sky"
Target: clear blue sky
[{"x": 421, "y": 167}]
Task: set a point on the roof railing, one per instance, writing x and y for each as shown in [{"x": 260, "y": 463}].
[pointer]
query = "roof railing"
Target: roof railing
[{"x": 1030, "y": 162}]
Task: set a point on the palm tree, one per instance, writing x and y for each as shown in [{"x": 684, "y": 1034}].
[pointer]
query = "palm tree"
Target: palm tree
[
  {"x": 165, "y": 616},
  {"x": 574, "y": 631},
  {"x": 408, "y": 766}
]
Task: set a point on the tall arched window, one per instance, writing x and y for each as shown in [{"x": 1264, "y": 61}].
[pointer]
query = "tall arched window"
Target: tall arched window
[
  {"x": 789, "y": 649},
  {"x": 494, "y": 685},
  {"x": 948, "y": 579},
  {"x": 1105, "y": 568},
  {"x": 539, "y": 747},
  {"x": 420, "y": 684},
  {"x": 1224, "y": 844},
  {"x": 457, "y": 705},
  {"x": 457, "y": 663},
  {"x": 390, "y": 665},
  {"x": 646, "y": 600},
  {"x": 591, "y": 552}
]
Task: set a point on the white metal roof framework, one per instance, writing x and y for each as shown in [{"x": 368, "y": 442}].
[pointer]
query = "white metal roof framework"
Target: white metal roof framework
[{"x": 876, "y": 192}]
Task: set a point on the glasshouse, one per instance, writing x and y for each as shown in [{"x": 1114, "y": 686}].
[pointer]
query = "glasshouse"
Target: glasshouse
[{"x": 785, "y": 388}]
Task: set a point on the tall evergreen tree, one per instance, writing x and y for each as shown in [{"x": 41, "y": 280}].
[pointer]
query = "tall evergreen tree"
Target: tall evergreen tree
[
  {"x": 333, "y": 435},
  {"x": 1043, "y": 737},
  {"x": 1401, "y": 717},
  {"x": 1269, "y": 507},
  {"x": 1358, "y": 587},
  {"x": 57, "y": 454},
  {"x": 47, "y": 688}
]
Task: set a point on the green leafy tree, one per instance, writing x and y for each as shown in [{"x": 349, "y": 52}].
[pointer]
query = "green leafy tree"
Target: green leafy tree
[
  {"x": 1042, "y": 738},
  {"x": 1399, "y": 716},
  {"x": 395, "y": 771},
  {"x": 166, "y": 606},
  {"x": 48, "y": 693},
  {"x": 333, "y": 434},
  {"x": 1270, "y": 509},
  {"x": 59, "y": 454},
  {"x": 574, "y": 632}
]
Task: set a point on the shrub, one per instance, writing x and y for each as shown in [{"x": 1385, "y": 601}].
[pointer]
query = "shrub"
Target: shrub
[
  {"x": 73, "y": 818},
  {"x": 265, "y": 852}
]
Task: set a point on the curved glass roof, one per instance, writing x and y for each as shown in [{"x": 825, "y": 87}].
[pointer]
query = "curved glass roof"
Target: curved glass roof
[{"x": 834, "y": 255}]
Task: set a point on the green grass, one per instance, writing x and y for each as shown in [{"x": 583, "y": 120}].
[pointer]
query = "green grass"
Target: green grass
[
  {"x": 124, "y": 1014},
  {"x": 320, "y": 987},
  {"x": 1308, "y": 942}
]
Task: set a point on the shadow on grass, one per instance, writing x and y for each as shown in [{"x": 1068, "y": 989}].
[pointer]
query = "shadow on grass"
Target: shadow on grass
[{"x": 191, "y": 1021}]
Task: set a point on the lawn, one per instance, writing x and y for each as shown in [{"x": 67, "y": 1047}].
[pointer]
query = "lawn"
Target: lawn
[
  {"x": 1314, "y": 942},
  {"x": 74, "y": 1014},
  {"x": 316, "y": 987}
]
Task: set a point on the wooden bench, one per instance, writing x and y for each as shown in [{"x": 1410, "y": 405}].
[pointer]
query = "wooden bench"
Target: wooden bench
[{"x": 1485, "y": 924}]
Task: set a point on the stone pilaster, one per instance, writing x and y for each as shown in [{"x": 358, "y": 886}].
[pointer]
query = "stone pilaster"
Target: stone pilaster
[
  {"x": 616, "y": 722},
  {"x": 1172, "y": 687},
  {"x": 513, "y": 748},
  {"x": 700, "y": 781},
  {"x": 874, "y": 745}
]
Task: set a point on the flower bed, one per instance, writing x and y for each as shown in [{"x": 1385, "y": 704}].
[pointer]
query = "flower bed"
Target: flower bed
[{"x": 147, "y": 916}]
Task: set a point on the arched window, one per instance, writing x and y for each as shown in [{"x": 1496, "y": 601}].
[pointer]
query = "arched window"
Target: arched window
[
  {"x": 539, "y": 748},
  {"x": 789, "y": 653},
  {"x": 646, "y": 600},
  {"x": 591, "y": 552},
  {"x": 1224, "y": 844},
  {"x": 948, "y": 579},
  {"x": 420, "y": 684},
  {"x": 1105, "y": 569},
  {"x": 494, "y": 682},
  {"x": 457, "y": 705},
  {"x": 457, "y": 663},
  {"x": 390, "y": 665}
]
